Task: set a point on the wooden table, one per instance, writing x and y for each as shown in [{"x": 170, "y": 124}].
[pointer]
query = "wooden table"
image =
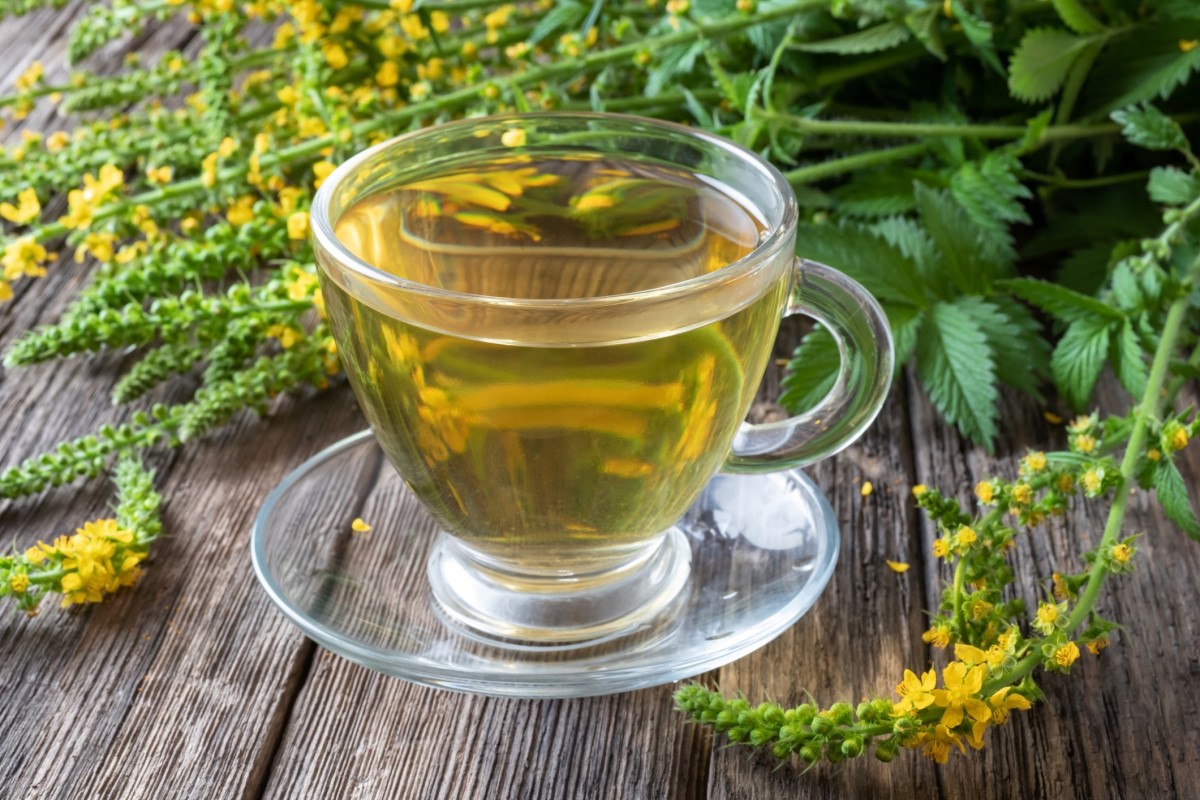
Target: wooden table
[{"x": 193, "y": 685}]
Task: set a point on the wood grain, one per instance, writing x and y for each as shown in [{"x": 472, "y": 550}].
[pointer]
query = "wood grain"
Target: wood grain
[{"x": 193, "y": 686}]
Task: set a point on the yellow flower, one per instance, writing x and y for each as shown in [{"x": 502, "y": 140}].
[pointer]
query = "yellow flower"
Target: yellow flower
[
  {"x": 18, "y": 582},
  {"x": 1188, "y": 45},
  {"x": 6, "y": 292},
  {"x": 898, "y": 567},
  {"x": 227, "y": 147},
  {"x": 938, "y": 636},
  {"x": 980, "y": 608},
  {"x": 1034, "y": 463},
  {"x": 297, "y": 225},
  {"x": 241, "y": 211},
  {"x": 1085, "y": 443},
  {"x": 1061, "y": 590},
  {"x": 27, "y": 209},
  {"x": 1080, "y": 424},
  {"x": 1179, "y": 439},
  {"x": 1066, "y": 655},
  {"x": 936, "y": 745},
  {"x": 966, "y": 536},
  {"x": 359, "y": 526},
  {"x": 439, "y": 21},
  {"x": 1154, "y": 454},
  {"x": 32, "y": 74},
  {"x": 23, "y": 256},
  {"x": 57, "y": 141},
  {"x": 335, "y": 55},
  {"x": 1096, "y": 645},
  {"x": 208, "y": 170},
  {"x": 1047, "y": 617},
  {"x": 1022, "y": 494},
  {"x": 322, "y": 169},
  {"x": 919, "y": 489},
  {"x": 1065, "y": 483},
  {"x": 1052, "y": 418},
  {"x": 99, "y": 244},
  {"x": 961, "y": 683},
  {"x": 286, "y": 334},
  {"x": 985, "y": 491},
  {"x": 969, "y": 655},
  {"x": 388, "y": 74},
  {"x": 1003, "y": 701},
  {"x": 941, "y": 548},
  {"x": 915, "y": 692},
  {"x": 159, "y": 175},
  {"x": 1121, "y": 553},
  {"x": 513, "y": 137},
  {"x": 1092, "y": 481}
]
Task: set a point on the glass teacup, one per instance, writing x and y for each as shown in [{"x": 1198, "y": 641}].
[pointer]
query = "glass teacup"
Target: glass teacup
[{"x": 556, "y": 324}]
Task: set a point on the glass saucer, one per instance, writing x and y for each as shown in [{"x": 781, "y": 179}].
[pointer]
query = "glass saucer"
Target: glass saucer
[{"x": 762, "y": 549}]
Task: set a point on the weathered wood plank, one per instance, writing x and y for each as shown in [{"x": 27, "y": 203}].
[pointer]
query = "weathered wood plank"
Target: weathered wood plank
[{"x": 858, "y": 638}]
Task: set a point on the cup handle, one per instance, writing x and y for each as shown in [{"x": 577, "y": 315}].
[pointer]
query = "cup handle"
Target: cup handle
[{"x": 864, "y": 340}]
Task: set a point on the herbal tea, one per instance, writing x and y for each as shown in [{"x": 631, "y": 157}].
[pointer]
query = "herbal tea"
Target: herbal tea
[{"x": 585, "y": 451}]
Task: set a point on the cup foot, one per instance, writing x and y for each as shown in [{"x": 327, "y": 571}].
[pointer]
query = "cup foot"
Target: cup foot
[
  {"x": 746, "y": 561},
  {"x": 557, "y": 611}
]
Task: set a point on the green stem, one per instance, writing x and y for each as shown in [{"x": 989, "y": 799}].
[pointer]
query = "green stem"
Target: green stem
[
  {"x": 1088, "y": 183},
  {"x": 920, "y": 130},
  {"x": 960, "y": 616},
  {"x": 837, "y": 166}
]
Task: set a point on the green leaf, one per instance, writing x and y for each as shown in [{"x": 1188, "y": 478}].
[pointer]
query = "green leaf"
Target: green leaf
[
  {"x": 955, "y": 365},
  {"x": 672, "y": 62},
  {"x": 979, "y": 33},
  {"x": 1150, "y": 128},
  {"x": 991, "y": 192},
  {"x": 1076, "y": 17},
  {"x": 1125, "y": 353},
  {"x": 561, "y": 16},
  {"x": 925, "y": 26},
  {"x": 1061, "y": 302},
  {"x": 697, "y": 109},
  {"x": 1143, "y": 65},
  {"x": 1172, "y": 186},
  {"x": 811, "y": 372},
  {"x": 1040, "y": 64},
  {"x": 1079, "y": 358},
  {"x": 912, "y": 240},
  {"x": 876, "y": 194},
  {"x": 1022, "y": 356},
  {"x": 1084, "y": 269},
  {"x": 1172, "y": 494},
  {"x": 871, "y": 40},
  {"x": 1125, "y": 289},
  {"x": 906, "y": 325},
  {"x": 971, "y": 257},
  {"x": 883, "y": 269}
]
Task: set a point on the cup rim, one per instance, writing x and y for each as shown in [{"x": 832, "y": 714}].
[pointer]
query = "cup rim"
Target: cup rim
[{"x": 324, "y": 239}]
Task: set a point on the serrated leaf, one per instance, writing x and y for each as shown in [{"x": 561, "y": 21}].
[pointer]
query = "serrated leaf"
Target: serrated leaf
[
  {"x": 697, "y": 109},
  {"x": 871, "y": 261},
  {"x": 1061, "y": 302},
  {"x": 1148, "y": 127},
  {"x": 1079, "y": 358},
  {"x": 871, "y": 40},
  {"x": 955, "y": 365},
  {"x": 979, "y": 33},
  {"x": 1172, "y": 186},
  {"x": 1022, "y": 356},
  {"x": 1125, "y": 289},
  {"x": 811, "y": 372},
  {"x": 672, "y": 62},
  {"x": 876, "y": 194},
  {"x": 1143, "y": 65},
  {"x": 911, "y": 239},
  {"x": 925, "y": 26},
  {"x": 991, "y": 192},
  {"x": 970, "y": 255},
  {"x": 1076, "y": 17},
  {"x": 1040, "y": 64},
  {"x": 905, "y": 322},
  {"x": 1125, "y": 353},
  {"x": 1172, "y": 494}
]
